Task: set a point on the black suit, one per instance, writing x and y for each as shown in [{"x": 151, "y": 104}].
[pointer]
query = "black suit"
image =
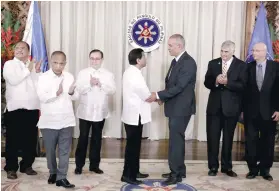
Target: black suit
[
  {"x": 180, "y": 104},
  {"x": 259, "y": 106},
  {"x": 223, "y": 109}
]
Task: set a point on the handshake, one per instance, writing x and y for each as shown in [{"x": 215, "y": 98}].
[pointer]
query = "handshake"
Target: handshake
[{"x": 153, "y": 98}]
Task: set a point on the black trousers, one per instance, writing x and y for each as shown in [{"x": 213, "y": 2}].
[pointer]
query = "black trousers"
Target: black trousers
[
  {"x": 132, "y": 151},
  {"x": 21, "y": 134},
  {"x": 214, "y": 126},
  {"x": 95, "y": 143},
  {"x": 259, "y": 143}
]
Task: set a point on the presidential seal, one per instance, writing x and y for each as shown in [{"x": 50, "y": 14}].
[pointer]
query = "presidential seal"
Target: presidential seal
[
  {"x": 157, "y": 185},
  {"x": 146, "y": 31}
]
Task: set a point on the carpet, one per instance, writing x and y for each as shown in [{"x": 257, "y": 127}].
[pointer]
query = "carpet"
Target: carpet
[{"x": 197, "y": 178}]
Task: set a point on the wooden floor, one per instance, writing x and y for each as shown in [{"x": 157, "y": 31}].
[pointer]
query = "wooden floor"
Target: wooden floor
[{"x": 194, "y": 150}]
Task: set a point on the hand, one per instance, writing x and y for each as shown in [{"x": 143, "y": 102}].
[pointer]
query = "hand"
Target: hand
[
  {"x": 159, "y": 102},
  {"x": 224, "y": 80},
  {"x": 275, "y": 116},
  {"x": 31, "y": 66},
  {"x": 72, "y": 88},
  {"x": 219, "y": 79},
  {"x": 152, "y": 97},
  {"x": 38, "y": 66},
  {"x": 60, "y": 90},
  {"x": 94, "y": 81},
  {"x": 241, "y": 116}
]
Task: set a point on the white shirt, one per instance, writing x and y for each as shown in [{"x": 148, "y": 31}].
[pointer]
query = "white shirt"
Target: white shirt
[
  {"x": 177, "y": 58},
  {"x": 135, "y": 92},
  {"x": 20, "y": 86},
  {"x": 93, "y": 100},
  {"x": 56, "y": 111},
  {"x": 229, "y": 62}
]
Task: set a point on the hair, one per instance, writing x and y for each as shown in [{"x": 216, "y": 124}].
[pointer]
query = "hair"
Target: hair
[
  {"x": 134, "y": 55},
  {"x": 58, "y": 52},
  {"x": 27, "y": 45},
  {"x": 179, "y": 38},
  {"x": 97, "y": 50},
  {"x": 228, "y": 44}
]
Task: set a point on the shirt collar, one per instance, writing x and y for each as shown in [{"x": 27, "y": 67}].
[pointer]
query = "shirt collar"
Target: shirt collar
[
  {"x": 18, "y": 60},
  {"x": 54, "y": 75},
  {"x": 177, "y": 58},
  {"x": 263, "y": 63},
  {"x": 229, "y": 61},
  {"x": 133, "y": 67},
  {"x": 96, "y": 70}
]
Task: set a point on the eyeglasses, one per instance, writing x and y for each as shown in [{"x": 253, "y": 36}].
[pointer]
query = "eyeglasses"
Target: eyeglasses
[{"x": 97, "y": 59}]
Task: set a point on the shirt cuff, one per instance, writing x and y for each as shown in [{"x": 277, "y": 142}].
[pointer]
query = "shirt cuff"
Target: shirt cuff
[{"x": 157, "y": 96}]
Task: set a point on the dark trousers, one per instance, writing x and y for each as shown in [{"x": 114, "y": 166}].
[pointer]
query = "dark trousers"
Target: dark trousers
[
  {"x": 214, "y": 125},
  {"x": 21, "y": 134},
  {"x": 95, "y": 143},
  {"x": 176, "y": 155},
  {"x": 259, "y": 143},
  {"x": 132, "y": 151}
]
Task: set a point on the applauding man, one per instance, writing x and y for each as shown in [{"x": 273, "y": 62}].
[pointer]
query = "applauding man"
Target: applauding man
[
  {"x": 22, "y": 112},
  {"x": 94, "y": 85},
  {"x": 55, "y": 91}
]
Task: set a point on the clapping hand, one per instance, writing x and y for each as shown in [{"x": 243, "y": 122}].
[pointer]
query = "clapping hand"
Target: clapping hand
[{"x": 60, "y": 90}]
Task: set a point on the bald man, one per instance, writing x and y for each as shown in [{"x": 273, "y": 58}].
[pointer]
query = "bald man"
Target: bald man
[
  {"x": 179, "y": 103},
  {"x": 261, "y": 112}
]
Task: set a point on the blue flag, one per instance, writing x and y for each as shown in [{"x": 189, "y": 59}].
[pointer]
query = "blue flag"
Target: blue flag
[
  {"x": 34, "y": 36},
  {"x": 261, "y": 34}
]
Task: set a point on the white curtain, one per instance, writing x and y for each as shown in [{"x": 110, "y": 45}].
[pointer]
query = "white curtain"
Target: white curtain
[{"x": 78, "y": 27}]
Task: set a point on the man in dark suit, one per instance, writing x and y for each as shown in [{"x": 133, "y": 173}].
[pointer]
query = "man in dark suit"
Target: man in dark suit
[
  {"x": 226, "y": 78},
  {"x": 179, "y": 99},
  {"x": 261, "y": 112}
]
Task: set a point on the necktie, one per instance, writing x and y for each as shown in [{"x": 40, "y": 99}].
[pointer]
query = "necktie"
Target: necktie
[
  {"x": 173, "y": 62},
  {"x": 224, "y": 69},
  {"x": 259, "y": 76}
]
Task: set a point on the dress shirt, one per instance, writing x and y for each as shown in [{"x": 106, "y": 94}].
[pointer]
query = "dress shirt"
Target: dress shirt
[
  {"x": 20, "y": 86},
  {"x": 135, "y": 92},
  {"x": 263, "y": 67},
  {"x": 56, "y": 111},
  {"x": 93, "y": 100}
]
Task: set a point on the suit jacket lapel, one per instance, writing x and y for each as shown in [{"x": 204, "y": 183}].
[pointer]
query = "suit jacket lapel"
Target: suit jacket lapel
[
  {"x": 173, "y": 69},
  {"x": 267, "y": 73},
  {"x": 232, "y": 66},
  {"x": 253, "y": 74}
]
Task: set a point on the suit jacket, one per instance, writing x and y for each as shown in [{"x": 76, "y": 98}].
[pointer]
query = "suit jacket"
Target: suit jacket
[
  {"x": 228, "y": 98},
  {"x": 266, "y": 101},
  {"x": 179, "y": 93},
  {"x": 135, "y": 92}
]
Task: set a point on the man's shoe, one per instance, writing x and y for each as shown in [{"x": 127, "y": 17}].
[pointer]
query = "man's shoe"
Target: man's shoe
[
  {"x": 141, "y": 175},
  {"x": 11, "y": 175},
  {"x": 172, "y": 180},
  {"x": 229, "y": 173},
  {"x": 131, "y": 181},
  {"x": 96, "y": 170},
  {"x": 29, "y": 171},
  {"x": 212, "y": 172},
  {"x": 78, "y": 170},
  {"x": 251, "y": 175},
  {"x": 64, "y": 183},
  {"x": 52, "y": 179},
  {"x": 267, "y": 176},
  {"x": 166, "y": 175}
]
